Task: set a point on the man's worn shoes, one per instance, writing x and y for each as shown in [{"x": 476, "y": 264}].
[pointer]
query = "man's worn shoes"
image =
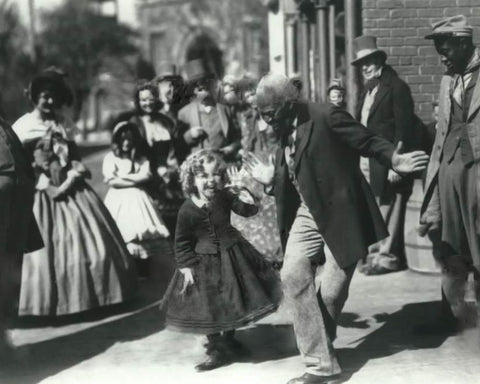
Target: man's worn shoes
[{"x": 308, "y": 378}]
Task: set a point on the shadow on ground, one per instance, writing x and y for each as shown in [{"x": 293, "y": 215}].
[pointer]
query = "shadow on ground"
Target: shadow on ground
[
  {"x": 267, "y": 342},
  {"x": 394, "y": 336},
  {"x": 142, "y": 318},
  {"x": 41, "y": 360}
]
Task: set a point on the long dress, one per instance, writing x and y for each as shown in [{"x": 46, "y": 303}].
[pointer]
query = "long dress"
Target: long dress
[
  {"x": 137, "y": 218},
  {"x": 234, "y": 285},
  {"x": 261, "y": 230},
  {"x": 160, "y": 148},
  {"x": 85, "y": 263}
]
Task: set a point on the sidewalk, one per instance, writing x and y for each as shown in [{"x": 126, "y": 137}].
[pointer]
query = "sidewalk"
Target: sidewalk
[{"x": 375, "y": 344}]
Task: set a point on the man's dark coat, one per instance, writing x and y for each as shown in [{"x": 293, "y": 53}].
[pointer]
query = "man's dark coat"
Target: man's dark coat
[
  {"x": 17, "y": 186},
  {"x": 328, "y": 144},
  {"x": 392, "y": 117}
]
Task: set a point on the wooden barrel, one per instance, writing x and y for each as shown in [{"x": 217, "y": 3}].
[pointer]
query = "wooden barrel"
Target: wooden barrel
[{"x": 418, "y": 249}]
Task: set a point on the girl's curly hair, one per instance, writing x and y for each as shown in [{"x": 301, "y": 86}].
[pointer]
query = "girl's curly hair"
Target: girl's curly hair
[{"x": 195, "y": 163}]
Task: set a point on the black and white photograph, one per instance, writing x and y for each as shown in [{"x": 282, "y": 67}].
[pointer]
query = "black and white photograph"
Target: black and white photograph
[{"x": 239, "y": 191}]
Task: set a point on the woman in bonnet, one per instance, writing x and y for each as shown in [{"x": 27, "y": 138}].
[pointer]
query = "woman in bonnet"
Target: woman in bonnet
[{"x": 84, "y": 263}]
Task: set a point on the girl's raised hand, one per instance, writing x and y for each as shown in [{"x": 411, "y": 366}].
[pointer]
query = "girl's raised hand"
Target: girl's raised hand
[
  {"x": 234, "y": 177},
  {"x": 188, "y": 279}
]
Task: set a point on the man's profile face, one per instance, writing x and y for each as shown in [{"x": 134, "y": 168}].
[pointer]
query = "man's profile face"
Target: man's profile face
[
  {"x": 275, "y": 116},
  {"x": 454, "y": 54}
]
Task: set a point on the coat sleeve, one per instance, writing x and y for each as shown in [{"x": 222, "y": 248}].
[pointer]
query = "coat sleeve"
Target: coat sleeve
[
  {"x": 243, "y": 203},
  {"x": 185, "y": 240},
  {"x": 358, "y": 137},
  {"x": 184, "y": 125}
]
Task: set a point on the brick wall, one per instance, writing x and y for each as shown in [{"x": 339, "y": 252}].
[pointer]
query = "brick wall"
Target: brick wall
[{"x": 400, "y": 26}]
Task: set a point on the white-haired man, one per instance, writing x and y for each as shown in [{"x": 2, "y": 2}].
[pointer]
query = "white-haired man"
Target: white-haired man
[{"x": 327, "y": 214}]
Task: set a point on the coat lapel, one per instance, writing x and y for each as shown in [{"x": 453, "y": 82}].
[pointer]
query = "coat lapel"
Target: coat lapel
[
  {"x": 194, "y": 113},
  {"x": 222, "y": 116},
  {"x": 382, "y": 92},
  {"x": 475, "y": 103},
  {"x": 303, "y": 136}
]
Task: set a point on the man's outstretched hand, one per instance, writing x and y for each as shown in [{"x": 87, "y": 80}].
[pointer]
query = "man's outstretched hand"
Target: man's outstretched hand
[
  {"x": 404, "y": 163},
  {"x": 261, "y": 172}
]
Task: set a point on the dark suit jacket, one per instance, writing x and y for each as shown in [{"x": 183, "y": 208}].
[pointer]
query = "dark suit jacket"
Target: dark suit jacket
[
  {"x": 189, "y": 117},
  {"x": 328, "y": 144},
  {"x": 392, "y": 117},
  {"x": 17, "y": 187}
]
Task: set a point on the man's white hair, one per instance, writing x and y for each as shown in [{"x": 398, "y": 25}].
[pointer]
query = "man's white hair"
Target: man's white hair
[{"x": 274, "y": 90}]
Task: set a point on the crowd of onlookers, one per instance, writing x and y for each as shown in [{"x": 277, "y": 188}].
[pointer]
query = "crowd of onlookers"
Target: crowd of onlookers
[{"x": 194, "y": 150}]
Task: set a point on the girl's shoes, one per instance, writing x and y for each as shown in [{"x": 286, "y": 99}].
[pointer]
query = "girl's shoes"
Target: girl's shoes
[{"x": 215, "y": 359}]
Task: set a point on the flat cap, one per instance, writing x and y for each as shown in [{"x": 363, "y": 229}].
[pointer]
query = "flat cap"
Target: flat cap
[{"x": 454, "y": 26}]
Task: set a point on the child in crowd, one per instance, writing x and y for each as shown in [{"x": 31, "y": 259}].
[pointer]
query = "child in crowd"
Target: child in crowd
[
  {"x": 126, "y": 171},
  {"x": 336, "y": 93},
  {"x": 222, "y": 281}
]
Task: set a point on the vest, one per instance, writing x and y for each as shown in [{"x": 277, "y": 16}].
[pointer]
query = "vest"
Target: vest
[{"x": 457, "y": 138}]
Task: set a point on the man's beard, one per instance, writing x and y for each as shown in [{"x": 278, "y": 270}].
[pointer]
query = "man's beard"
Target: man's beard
[
  {"x": 282, "y": 128},
  {"x": 282, "y": 124}
]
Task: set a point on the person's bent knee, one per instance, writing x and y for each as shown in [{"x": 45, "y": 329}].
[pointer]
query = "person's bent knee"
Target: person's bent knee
[{"x": 294, "y": 282}]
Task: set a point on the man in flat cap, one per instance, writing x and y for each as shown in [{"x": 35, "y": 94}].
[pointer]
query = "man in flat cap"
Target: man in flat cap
[
  {"x": 451, "y": 206},
  {"x": 326, "y": 213}
]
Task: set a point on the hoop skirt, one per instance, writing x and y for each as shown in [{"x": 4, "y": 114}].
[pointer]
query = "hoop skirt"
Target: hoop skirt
[{"x": 84, "y": 263}]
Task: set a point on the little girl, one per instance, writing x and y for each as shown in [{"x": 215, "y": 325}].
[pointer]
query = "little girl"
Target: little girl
[
  {"x": 222, "y": 282},
  {"x": 139, "y": 221}
]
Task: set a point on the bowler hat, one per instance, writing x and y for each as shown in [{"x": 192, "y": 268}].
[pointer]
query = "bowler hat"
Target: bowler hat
[
  {"x": 167, "y": 71},
  {"x": 366, "y": 46},
  {"x": 51, "y": 77},
  {"x": 196, "y": 70},
  {"x": 454, "y": 26}
]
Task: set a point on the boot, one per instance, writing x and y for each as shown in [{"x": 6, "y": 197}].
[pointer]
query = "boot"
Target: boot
[{"x": 216, "y": 354}]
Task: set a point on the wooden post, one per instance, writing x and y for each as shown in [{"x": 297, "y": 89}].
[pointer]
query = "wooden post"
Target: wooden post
[
  {"x": 290, "y": 33},
  {"x": 331, "y": 40},
  {"x": 305, "y": 53},
  {"x": 350, "y": 34},
  {"x": 321, "y": 73}
]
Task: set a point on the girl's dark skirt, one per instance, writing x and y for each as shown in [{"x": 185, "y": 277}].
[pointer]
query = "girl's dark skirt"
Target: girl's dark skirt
[{"x": 232, "y": 288}]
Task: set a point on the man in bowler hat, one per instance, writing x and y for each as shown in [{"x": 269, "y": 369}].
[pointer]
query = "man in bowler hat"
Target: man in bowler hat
[
  {"x": 327, "y": 215},
  {"x": 386, "y": 108},
  {"x": 204, "y": 122},
  {"x": 451, "y": 206}
]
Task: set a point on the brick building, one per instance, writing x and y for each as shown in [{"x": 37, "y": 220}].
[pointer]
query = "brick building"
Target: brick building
[{"x": 401, "y": 25}]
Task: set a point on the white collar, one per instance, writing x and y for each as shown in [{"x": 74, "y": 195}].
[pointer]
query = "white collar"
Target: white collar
[{"x": 200, "y": 203}]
